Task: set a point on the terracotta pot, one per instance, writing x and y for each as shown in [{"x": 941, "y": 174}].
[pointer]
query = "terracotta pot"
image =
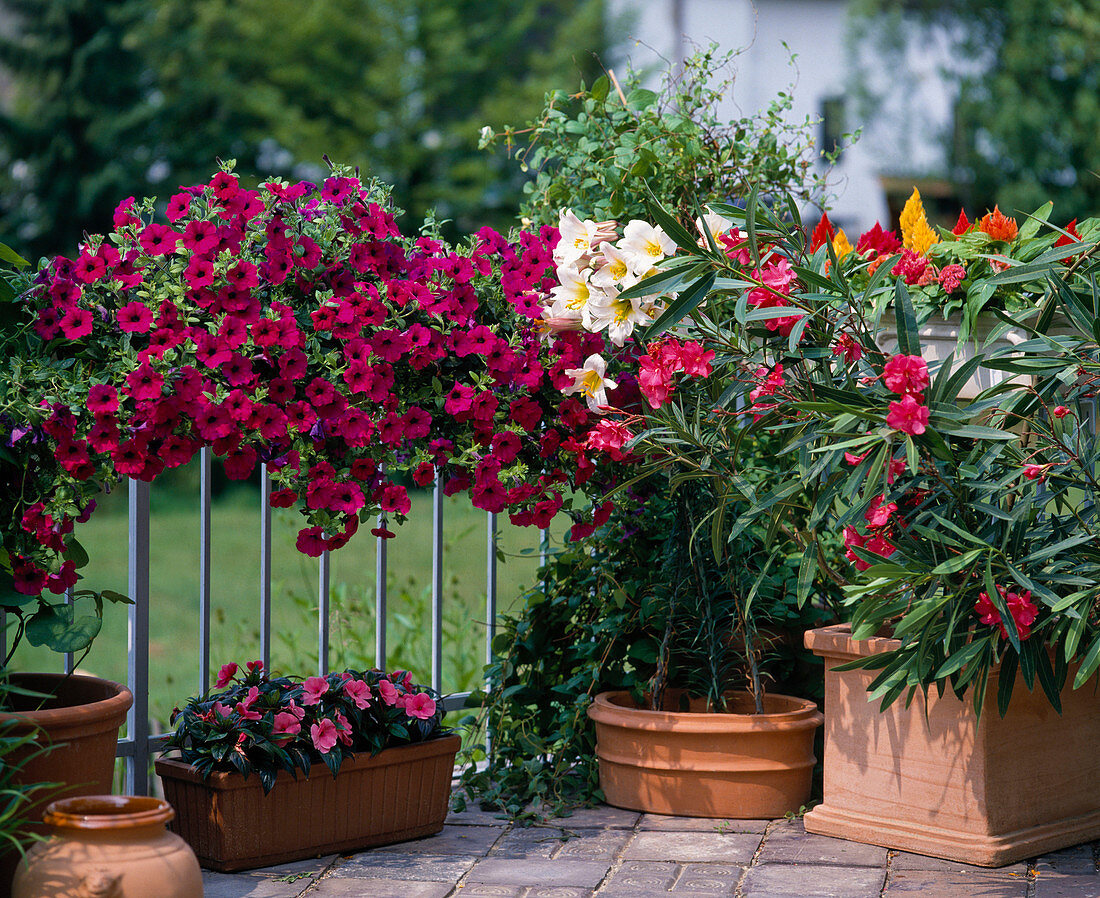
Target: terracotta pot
[
  {"x": 931, "y": 780},
  {"x": 80, "y": 725},
  {"x": 699, "y": 764},
  {"x": 401, "y": 793},
  {"x": 109, "y": 846}
]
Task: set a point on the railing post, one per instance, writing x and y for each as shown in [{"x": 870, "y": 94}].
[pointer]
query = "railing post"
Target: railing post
[
  {"x": 322, "y": 613},
  {"x": 437, "y": 584},
  {"x": 265, "y": 568},
  {"x": 381, "y": 573},
  {"x": 204, "y": 568},
  {"x": 490, "y": 588},
  {"x": 137, "y": 724}
]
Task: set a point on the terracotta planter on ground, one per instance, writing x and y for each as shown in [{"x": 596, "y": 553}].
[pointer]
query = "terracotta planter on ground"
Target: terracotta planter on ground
[
  {"x": 109, "y": 845},
  {"x": 401, "y": 793},
  {"x": 929, "y": 779},
  {"x": 698, "y": 764},
  {"x": 80, "y": 724}
]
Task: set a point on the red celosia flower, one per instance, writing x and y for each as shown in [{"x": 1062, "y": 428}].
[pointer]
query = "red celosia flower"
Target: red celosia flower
[
  {"x": 962, "y": 225},
  {"x": 883, "y": 243},
  {"x": 822, "y": 234}
]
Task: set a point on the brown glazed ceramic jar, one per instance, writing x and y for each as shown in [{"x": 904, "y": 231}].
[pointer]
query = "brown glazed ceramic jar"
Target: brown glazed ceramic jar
[{"x": 109, "y": 846}]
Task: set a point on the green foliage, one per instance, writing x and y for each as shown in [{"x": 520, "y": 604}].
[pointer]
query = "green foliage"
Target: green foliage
[
  {"x": 15, "y": 796},
  {"x": 128, "y": 98},
  {"x": 1028, "y": 77},
  {"x": 621, "y": 610},
  {"x": 596, "y": 151}
]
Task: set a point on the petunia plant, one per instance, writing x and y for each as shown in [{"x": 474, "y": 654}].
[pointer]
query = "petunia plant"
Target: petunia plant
[
  {"x": 292, "y": 326},
  {"x": 970, "y": 528},
  {"x": 253, "y": 723}
]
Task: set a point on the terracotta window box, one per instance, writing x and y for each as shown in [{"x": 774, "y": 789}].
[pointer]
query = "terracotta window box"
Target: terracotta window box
[
  {"x": 943, "y": 785},
  {"x": 401, "y": 793}
]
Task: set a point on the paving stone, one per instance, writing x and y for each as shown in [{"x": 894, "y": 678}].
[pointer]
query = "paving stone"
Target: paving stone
[
  {"x": 1059, "y": 885},
  {"x": 815, "y": 881},
  {"x": 1077, "y": 861},
  {"x": 989, "y": 884},
  {"x": 603, "y": 816},
  {"x": 474, "y": 816},
  {"x": 337, "y": 887},
  {"x": 661, "y": 823},
  {"x": 457, "y": 840},
  {"x": 720, "y": 879},
  {"x": 534, "y": 842},
  {"x": 732, "y": 848},
  {"x": 509, "y": 871},
  {"x": 559, "y": 892},
  {"x": 593, "y": 845},
  {"x": 903, "y": 860},
  {"x": 640, "y": 878},
  {"x": 793, "y": 845},
  {"x": 381, "y": 864},
  {"x": 241, "y": 885},
  {"x": 480, "y": 890}
]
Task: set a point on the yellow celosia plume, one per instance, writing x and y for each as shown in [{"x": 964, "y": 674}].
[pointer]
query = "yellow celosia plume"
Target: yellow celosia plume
[
  {"x": 841, "y": 246},
  {"x": 915, "y": 231}
]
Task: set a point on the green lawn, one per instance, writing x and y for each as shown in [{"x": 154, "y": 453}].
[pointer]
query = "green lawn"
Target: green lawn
[{"x": 235, "y": 527}]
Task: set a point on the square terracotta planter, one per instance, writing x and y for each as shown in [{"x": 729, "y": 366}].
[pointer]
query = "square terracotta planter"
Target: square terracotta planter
[
  {"x": 930, "y": 780},
  {"x": 401, "y": 793}
]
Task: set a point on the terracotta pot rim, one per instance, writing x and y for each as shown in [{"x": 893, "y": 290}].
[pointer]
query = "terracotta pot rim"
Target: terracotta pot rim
[
  {"x": 107, "y": 812},
  {"x": 115, "y": 705},
  {"x": 609, "y": 708}
]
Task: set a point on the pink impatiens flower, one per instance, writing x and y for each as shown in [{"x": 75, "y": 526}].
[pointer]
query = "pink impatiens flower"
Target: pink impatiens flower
[
  {"x": 324, "y": 735},
  {"x": 420, "y": 705},
  {"x": 312, "y": 690},
  {"x": 286, "y": 725},
  {"x": 908, "y": 415},
  {"x": 388, "y": 692},
  {"x": 227, "y": 672},
  {"x": 358, "y": 691}
]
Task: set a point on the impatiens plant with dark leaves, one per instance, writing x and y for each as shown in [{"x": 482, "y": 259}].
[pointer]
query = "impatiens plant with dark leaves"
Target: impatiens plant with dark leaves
[
  {"x": 257, "y": 724},
  {"x": 291, "y": 326}
]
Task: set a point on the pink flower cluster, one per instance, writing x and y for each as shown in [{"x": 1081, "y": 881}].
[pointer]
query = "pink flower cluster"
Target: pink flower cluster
[
  {"x": 879, "y": 518},
  {"x": 295, "y": 326},
  {"x": 776, "y": 278},
  {"x": 1023, "y": 611},
  {"x": 275, "y": 722},
  {"x": 907, "y": 375},
  {"x": 666, "y": 358}
]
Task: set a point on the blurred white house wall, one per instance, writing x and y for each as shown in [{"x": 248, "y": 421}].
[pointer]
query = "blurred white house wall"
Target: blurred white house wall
[{"x": 902, "y": 138}]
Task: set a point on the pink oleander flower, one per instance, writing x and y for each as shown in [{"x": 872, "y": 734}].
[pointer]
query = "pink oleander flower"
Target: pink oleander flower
[
  {"x": 1023, "y": 611},
  {"x": 312, "y": 690},
  {"x": 908, "y": 416},
  {"x": 878, "y": 514},
  {"x": 1060, "y": 411},
  {"x": 906, "y": 374}
]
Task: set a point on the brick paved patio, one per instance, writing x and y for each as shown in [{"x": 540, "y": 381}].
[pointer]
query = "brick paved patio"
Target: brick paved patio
[{"x": 612, "y": 853}]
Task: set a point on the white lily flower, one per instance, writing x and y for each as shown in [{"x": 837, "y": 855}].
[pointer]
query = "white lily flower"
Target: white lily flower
[
  {"x": 576, "y": 238},
  {"x": 570, "y": 297},
  {"x": 644, "y": 245},
  {"x": 591, "y": 380},
  {"x": 716, "y": 224},
  {"x": 612, "y": 269},
  {"x": 620, "y": 316}
]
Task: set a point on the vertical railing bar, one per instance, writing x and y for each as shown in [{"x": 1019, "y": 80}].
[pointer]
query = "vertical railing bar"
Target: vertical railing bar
[
  {"x": 205, "y": 455},
  {"x": 437, "y": 585},
  {"x": 265, "y": 567},
  {"x": 323, "y": 613},
  {"x": 490, "y": 587},
  {"x": 69, "y": 657},
  {"x": 380, "y": 575},
  {"x": 3, "y": 635},
  {"x": 137, "y": 724}
]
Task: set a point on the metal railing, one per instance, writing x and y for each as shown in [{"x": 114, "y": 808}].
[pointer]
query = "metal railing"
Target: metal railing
[{"x": 139, "y": 745}]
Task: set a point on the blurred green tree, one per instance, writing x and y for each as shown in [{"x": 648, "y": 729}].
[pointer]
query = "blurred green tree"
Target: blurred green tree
[
  {"x": 400, "y": 87},
  {"x": 1027, "y": 117}
]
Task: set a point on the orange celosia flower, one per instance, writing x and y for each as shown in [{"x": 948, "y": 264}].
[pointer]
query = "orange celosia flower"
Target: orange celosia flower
[
  {"x": 998, "y": 226},
  {"x": 916, "y": 234}
]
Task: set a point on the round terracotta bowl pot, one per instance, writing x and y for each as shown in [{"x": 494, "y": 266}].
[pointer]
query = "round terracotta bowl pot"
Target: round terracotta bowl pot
[
  {"x": 696, "y": 763},
  {"x": 109, "y": 845}
]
